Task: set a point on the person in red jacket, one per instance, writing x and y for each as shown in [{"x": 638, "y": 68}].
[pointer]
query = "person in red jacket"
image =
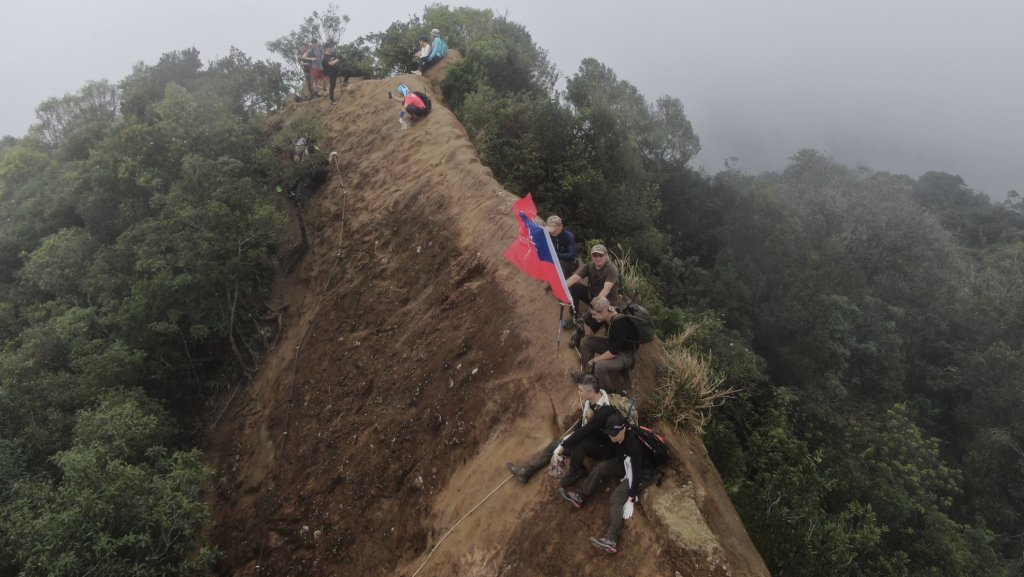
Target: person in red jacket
[{"x": 411, "y": 103}]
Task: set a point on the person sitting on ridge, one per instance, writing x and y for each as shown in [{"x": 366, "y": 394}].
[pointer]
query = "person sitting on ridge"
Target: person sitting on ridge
[
  {"x": 565, "y": 244},
  {"x": 588, "y": 440},
  {"x": 423, "y": 54},
  {"x": 438, "y": 50},
  {"x": 411, "y": 103},
  {"x": 604, "y": 355},
  {"x": 635, "y": 464},
  {"x": 602, "y": 281}
]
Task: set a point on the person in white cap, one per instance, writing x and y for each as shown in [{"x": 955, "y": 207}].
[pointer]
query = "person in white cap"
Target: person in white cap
[
  {"x": 565, "y": 244},
  {"x": 438, "y": 50}
]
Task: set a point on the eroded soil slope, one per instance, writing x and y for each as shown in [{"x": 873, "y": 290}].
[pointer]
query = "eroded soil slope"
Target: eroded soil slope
[{"x": 412, "y": 363}]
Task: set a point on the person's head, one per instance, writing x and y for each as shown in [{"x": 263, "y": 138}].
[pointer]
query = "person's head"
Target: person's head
[
  {"x": 588, "y": 389},
  {"x": 328, "y": 49},
  {"x": 423, "y": 40},
  {"x": 615, "y": 428},
  {"x": 403, "y": 90},
  {"x": 314, "y": 42},
  {"x": 601, "y": 309},
  {"x": 599, "y": 254},
  {"x": 554, "y": 224},
  {"x": 435, "y": 32}
]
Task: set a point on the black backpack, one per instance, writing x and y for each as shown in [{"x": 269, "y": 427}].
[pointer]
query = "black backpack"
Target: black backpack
[
  {"x": 657, "y": 450},
  {"x": 424, "y": 98},
  {"x": 641, "y": 320}
]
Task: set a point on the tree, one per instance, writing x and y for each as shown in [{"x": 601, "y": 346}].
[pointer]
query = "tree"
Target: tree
[
  {"x": 325, "y": 27},
  {"x": 123, "y": 504}
]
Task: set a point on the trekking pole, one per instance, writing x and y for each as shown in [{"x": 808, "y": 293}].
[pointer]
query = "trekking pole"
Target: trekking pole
[{"x": 558, "y": 339}]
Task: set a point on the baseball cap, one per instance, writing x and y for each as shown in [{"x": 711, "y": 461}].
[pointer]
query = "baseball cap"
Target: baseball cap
[
  {"x": 614, "y": 425},
  {"x": 599, "y": 249}
]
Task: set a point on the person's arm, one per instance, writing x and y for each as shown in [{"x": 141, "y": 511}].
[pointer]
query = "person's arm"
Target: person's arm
[
  {"x": 570, "y": 247},
  {"x": 616, "y": 338},
  {"x": 594, "y": 426},
  {"x": 575, "y": 278},
  {"x": 607, "y": 288},
  {"x": 636, "y": 461}
]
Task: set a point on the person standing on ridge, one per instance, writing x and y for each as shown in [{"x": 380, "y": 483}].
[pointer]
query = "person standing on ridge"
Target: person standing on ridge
[
  {"x": 316, "y": 67},
  {"x": 334, "y": 67}
]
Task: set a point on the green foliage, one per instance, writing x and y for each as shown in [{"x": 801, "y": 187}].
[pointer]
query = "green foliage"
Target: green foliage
[
  {"x": 122, "y": 505},
  {"x": 325, "y": 27},
  {"x": 137, "y": 256}
]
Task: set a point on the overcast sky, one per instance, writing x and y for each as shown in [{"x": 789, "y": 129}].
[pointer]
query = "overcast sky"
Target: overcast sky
[{"x": 900, "y": 85}]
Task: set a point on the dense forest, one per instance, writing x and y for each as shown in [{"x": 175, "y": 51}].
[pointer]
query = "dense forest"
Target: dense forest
[{"x": 871, "y": 321}]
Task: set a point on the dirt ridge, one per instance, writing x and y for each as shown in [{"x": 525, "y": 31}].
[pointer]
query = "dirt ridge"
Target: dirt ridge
[{"x": 427, "y": 363}]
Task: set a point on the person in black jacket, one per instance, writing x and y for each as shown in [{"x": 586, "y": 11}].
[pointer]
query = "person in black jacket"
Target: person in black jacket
[
  {"x": 614, "y": 353},
  {"x": 588, "y": 440},
  {"x": 635, "y": 466},
  {"x": 334, "y": 67}
]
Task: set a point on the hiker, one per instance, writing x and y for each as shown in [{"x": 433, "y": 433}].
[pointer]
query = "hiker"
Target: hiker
[
  {"x": 422, "y": 55},
  {"x": 316, "y": 67},
  {"x": 304, "y": 64},
  {"x": 565, "y": 244},
  {"x": 588, "y": 440},
  {"x": 438, "y": 50},
  {"x": 413, "y": 104},
  {"x": 334, "y": 67},
  {"x": 635, "y": 465},
  {"x": 615, "y": 352},
  {"x": 602, "y": 278}
]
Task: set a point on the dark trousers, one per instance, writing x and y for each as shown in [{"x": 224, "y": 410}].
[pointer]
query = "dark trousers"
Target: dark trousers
[
  {"x": 613, "y": 469},
  {"x": 427, "y": 63},
  {"x": 345, "y": 75},
  {"x": 594, "y": 447},
  {"x": 595, "y": 345}
]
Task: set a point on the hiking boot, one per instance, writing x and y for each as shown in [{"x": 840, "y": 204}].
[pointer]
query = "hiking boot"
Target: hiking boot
[
  {"x": 574, "y": 340},
  {"x": 519, "y": 472},
  {"x": 605, "y": 544},
  {"x": 568, "y": 324},
  {"x": 572, "y": 497}
]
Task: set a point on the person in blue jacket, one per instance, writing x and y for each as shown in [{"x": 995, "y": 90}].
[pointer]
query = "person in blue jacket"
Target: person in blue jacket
[
  {"x": 438, "y": 50},
  {"x": 565, "y": 244}
]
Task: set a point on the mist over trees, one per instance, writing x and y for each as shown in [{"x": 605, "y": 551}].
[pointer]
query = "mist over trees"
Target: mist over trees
[{"x": 872, "y": 321}]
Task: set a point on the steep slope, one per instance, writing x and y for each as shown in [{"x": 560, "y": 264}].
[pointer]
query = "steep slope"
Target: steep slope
[{"x": 412, "y": 363}]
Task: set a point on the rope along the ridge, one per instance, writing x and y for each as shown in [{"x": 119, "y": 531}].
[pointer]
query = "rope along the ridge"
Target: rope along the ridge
[{"x": 471, "y": 511}]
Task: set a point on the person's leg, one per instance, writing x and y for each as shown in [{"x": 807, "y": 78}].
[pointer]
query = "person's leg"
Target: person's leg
[
  {"x": 601, "y": 471},
  {"x": 577, "y": 470},
  {"x": 579, "y": 295},
  {"x": 604, "y": 369},
  {"x": 592, "y": 345},
  {"x": 599, "y": 449},
  {"x": 538, "y": 461},
  {"x": 618, "y": 500},
  {"x": 334, "y": 80}
]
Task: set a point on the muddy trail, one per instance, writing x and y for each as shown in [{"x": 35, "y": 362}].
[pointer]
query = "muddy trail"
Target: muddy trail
[{"x": 412, "y": 362}]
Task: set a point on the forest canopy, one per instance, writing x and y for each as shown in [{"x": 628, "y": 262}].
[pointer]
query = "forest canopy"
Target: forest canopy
[{"x": 872, "y": 321}]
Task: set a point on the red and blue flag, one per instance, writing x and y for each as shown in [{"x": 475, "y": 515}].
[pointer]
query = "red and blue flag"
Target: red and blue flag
[{"x": 533, "y": 252}]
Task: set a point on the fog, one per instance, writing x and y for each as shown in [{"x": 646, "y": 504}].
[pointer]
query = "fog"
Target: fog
[{"x": 905, "y": 86}]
